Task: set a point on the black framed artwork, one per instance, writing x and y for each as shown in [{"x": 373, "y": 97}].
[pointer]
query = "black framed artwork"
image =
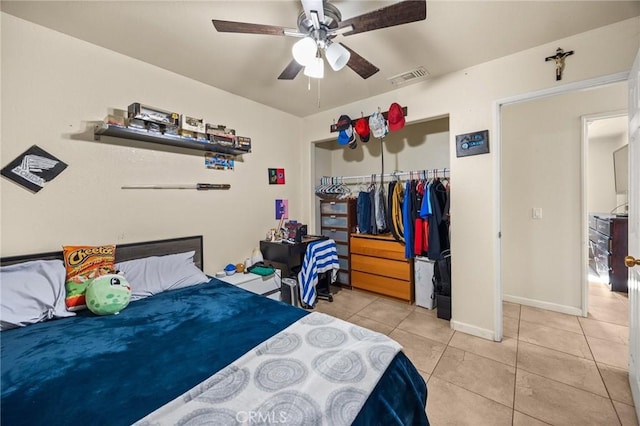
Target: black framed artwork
[
  {"x": 33, "y": 168},
  {"x": 472, "y": 143}
]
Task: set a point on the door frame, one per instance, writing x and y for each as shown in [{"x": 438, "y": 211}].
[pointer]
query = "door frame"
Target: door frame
[
  {"x": 586, "y": 120},
  {"x": 497, "y": 171}
]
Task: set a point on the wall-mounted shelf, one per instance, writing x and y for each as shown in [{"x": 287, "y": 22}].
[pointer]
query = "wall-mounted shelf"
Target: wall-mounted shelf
[{"x": 179, "y": 141}]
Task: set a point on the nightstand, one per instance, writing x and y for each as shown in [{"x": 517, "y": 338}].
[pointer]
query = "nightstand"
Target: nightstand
[{"x": 265, "y": 286}]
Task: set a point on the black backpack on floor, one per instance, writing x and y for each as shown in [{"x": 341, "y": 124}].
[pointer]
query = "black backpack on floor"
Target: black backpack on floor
[{"x": 442, "y": 274}]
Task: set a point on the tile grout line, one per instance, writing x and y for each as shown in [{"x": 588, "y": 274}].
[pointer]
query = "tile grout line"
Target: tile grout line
[
  {"x": 613, "y": 406},
  {"x": 515, "y": 376}
]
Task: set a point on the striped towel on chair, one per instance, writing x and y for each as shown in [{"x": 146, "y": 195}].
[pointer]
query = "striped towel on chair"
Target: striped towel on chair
[{"x": 320, "y": 256}]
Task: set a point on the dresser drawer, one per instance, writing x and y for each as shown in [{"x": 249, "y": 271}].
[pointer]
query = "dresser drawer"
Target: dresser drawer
[
  {"x": 388, "y": 249},
  {"x": 342, "y": 249},
  {"x": 343, "y": 278},
  {"x": 383, "y": 285},
  {"x": 334, "y": 207},
  {"x": 335, "y": 221},
  {"x": 602, "y": 245},
  {"x": 344, "y": 263},
  {"x": 384, "y": 267},
  {"x": 334, "y": 234},
  {"x": 603, "y": 226}
]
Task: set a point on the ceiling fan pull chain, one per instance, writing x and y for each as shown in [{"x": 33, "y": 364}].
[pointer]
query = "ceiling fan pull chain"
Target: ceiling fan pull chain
[{"x": 318, "y": 93}]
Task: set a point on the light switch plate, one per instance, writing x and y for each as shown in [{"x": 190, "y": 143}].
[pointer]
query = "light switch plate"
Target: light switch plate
[{"x": 536, "y": 213}]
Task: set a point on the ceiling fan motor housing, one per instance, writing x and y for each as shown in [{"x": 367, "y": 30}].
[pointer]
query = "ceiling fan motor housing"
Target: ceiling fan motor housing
[{"x": 332, "y": 18}]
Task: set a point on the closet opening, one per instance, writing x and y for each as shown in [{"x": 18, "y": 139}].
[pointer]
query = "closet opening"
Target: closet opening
[{"x": 417, "y": 154}]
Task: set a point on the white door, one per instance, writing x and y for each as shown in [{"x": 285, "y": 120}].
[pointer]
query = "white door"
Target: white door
[{"x": 634, "y": 231}]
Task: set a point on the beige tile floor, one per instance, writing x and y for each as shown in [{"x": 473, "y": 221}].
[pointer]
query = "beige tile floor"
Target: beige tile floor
[{"x": 550, "y": 368}]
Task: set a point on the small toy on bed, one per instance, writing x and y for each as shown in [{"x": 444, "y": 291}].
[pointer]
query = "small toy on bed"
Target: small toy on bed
[{"x": 108, "y": 294}]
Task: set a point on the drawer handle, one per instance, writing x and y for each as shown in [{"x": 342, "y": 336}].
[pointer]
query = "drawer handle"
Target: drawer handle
[{"x": 332, "y": 216}]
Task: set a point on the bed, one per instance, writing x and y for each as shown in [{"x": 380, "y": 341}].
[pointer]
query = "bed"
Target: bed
[{"x": 166, "y": 358}]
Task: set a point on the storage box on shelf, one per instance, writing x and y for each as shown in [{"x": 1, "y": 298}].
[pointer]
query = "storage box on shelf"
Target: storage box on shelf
[
  {"x": 378, "y": 265},
  {"x": 338, "y": 222}
]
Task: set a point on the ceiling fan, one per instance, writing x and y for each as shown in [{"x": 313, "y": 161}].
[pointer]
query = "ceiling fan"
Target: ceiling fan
[{"x": 318, "y": 24}]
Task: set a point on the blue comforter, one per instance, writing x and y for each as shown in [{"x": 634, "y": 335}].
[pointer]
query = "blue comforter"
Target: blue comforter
[{"x": 114, "y": 370}]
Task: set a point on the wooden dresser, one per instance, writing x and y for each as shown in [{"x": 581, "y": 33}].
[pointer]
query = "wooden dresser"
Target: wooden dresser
[
  {"x": 338, "y": 222},
  {"x": 608, "y": 243},
  {"x": 378, "y": 265}
]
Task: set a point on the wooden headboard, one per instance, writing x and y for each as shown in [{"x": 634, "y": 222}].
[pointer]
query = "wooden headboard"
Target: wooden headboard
[{"x": 130, "y": 251}]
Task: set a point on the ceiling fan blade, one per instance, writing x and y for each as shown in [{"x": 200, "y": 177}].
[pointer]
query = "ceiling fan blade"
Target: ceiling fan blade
[
  {"x": 248, "y": 28},
  {"x": 360, "y": 65},
  {"x": 396, "y": 14},
  {"x": 291, "y": 71}
]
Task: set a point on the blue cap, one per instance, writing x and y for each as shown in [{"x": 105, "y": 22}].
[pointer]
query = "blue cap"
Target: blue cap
[{"x": 346, "y": 136}]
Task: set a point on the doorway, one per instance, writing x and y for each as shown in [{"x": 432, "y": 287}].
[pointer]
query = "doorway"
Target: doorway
[{"x": 543, "y": 213}]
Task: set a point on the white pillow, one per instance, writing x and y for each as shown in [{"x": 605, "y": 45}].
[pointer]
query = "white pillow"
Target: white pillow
[
  {"x": 32, "y": 292},
  {"x": 155, "y": 274}
]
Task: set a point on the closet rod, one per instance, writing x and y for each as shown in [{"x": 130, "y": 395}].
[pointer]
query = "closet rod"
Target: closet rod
[{"x": 430, "y": 173}]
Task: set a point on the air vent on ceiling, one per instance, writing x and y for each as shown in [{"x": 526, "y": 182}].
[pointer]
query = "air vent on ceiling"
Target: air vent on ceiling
[{"x": 408, "y": 76}]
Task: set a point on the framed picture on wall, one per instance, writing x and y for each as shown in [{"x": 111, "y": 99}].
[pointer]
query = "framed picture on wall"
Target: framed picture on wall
[
  {"x": 33, "y": 168},
  {"x": 276, "y": 176},
  {"x": 472, "y": 143}
]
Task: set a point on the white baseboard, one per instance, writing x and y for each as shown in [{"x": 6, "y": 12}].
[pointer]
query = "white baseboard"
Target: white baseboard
[
  {"x": 472, "y": 329},
  {"x": 563, "y": 309}
]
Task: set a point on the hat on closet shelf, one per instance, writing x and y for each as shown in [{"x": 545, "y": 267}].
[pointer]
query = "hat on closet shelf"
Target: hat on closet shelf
[
  {"x": 396, "y": 117},
  {"x": 378, "y": 125},
  {"x": 362, "y": 129}
]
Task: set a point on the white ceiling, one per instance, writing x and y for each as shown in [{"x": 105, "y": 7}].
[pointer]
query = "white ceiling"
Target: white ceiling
[{"x": 179, "y": 36}]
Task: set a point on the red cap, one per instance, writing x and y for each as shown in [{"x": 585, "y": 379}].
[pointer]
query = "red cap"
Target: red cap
[
  {"x": 395, "y": 117},
  {"x": 362, "y": 129}
]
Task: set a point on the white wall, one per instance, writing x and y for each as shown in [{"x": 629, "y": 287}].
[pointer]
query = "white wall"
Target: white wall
[
  {"x": 53, "y": 86},
  {"x": 541, "y": 168},
  {"x": 601, "y": 190},
  {"x": 468, "y": 98}
]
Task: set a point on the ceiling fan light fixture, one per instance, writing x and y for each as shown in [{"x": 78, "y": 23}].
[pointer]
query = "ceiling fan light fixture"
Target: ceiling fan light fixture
[
  {"x": 304, "y": 51},
  {"x": 315, "y": 69},
  {"x": 337, "y": 56}
]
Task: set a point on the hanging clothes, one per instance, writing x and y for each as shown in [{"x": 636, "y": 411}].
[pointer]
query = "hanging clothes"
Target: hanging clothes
[
  {"x": 363, "y": 212},
  {"x": 373, "y": 229},
  {"x": 438, "y": 223},
  {"x": 407, "y": 218},
  {"x": 380, "y": 210},
  {"x": 397, "y": 199},
  {"x": 419, "y": 228}
]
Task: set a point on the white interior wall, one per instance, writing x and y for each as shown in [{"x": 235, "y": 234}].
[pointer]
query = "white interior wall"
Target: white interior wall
[
  {"x": 541, "y": 258},
  {"x": 53, "y": 86},
  {"x": 468, "y": 98},
  {"x": 601, "y": 191}
]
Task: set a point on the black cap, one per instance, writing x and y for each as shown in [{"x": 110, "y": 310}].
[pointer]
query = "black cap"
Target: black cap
[{"x": 343, "y": 122}]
